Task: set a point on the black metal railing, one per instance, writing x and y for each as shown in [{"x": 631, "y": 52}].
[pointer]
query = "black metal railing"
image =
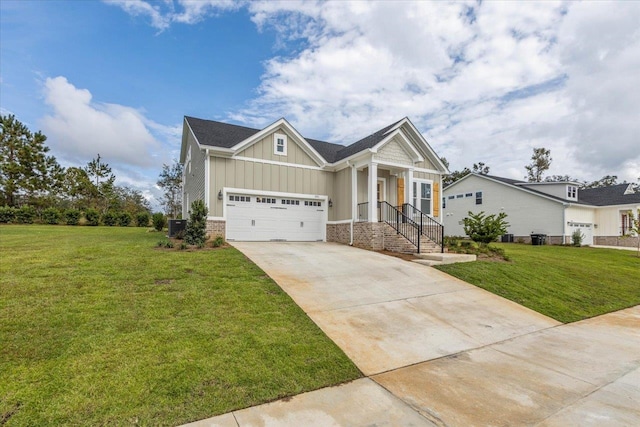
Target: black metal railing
[
  {"x": 363, "y": 211},
  {"x": 429, "y": 227},
  {"x": 400, "y": 222}
]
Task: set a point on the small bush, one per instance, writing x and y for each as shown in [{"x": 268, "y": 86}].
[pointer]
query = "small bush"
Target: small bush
[
  {"x": 92, "y": 216},
  {"x": 72, "y": 216},
  {"x": 124, "y": 219},
  {"x": 485, "y": 229},
  {"x": 168, "y": 244},
  {"x": 195, "y": 233},
  {"x": 7, "y": 214},
  {"x": 576, "y": 238},
  {"x": 110, "y": 218},
  {"x": 142, "y": 219},
  {"x": 25, "y": 214},
  {"x": 217, "y": 242},
  {"x": 159, "y": 221},
  {"x": 183, "y": 246},
  {"x": 51, "y": 216},
  {"x": 179, "y": 235}
]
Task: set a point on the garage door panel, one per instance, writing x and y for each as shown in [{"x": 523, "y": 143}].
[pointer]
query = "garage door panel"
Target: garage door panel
[{"x": 264, "y": 218}]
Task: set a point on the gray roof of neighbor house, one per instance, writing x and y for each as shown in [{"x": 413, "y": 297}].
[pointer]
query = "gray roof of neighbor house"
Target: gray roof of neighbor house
[
  {"x": 218, "y": 134},
  {"x": 604, "y": 196},
  {"x": 612, "y": 195}
]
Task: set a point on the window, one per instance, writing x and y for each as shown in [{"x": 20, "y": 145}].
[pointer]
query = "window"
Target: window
[
  {"x": 444, "y": 203},
  {"x": 459, "y": 196},
  {"x": 279, "y": 144},
  {"x": 479, "y": 198},
  {"x": 239, "y": 198},
  {"x": 422, "y": 196},
  {"x": 452, "y": 197},
  {"x": 572, "y": 192}
]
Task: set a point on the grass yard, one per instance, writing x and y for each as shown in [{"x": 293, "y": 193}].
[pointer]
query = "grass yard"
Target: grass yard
[
  {"x": 97, "y": 327},
  {"x": 562, "y": 282}
]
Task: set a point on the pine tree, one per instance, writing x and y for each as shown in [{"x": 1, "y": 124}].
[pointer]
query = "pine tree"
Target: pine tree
[
  {"x": 171, "y": 183},
  {"x": 541, "y": 162}
]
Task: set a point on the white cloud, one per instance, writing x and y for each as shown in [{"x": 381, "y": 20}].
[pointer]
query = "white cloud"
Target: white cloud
[
  {"x": 484, "y": 81},
  {"x": 79, "y": 128}
]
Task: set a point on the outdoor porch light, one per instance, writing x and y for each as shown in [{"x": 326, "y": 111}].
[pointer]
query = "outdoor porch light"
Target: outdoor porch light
[
  {"x": 330, "y": 203},
  {"x": 220, "y": 195}
]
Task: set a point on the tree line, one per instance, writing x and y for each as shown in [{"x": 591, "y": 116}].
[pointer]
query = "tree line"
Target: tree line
[{"x": 30, "y": 176}]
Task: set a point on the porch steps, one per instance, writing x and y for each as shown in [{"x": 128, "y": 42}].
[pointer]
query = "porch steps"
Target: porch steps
[
  {"x": 443, "y": 258},
  {"x": 395, "y": 242}
]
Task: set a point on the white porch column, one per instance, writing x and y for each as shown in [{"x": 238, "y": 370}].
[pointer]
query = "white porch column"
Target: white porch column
[
  {"x": 373, "y": 199},
  {"x": 408, "y": 186},
  {"x": 354, "y": 193}
]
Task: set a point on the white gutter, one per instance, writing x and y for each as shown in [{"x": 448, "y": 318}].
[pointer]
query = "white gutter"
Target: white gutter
[{"x": 352, "y": 202}]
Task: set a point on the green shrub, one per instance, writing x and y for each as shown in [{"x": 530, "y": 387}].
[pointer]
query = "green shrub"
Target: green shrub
[
  {"x": 183, "y": 246},
  {"x": 485, "y": 229},
  {"x": 72, "y": 216},
  {"x": 168, "y": 244},
  {"x": 195, "y": 233},
  {"x": 25, "y": 214},
  {"x": 142, "y": 219},
  {"x": 576, "y": 238},
  {"x": 92, "y": 216},
  {"x": 124, "y": 219},
  {"x": 51, "y": 216},
  {"x": 159, "y": 221},
  {"x": 7, "y": 214},
  {"x": 217, "y": 242},
  {"x": 179, "y": 235},
  {"x": 110, "y": 218}
]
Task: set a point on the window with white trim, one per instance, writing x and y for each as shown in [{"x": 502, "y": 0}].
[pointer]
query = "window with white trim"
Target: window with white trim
[
  {"x": 572, "y": 192},
  {"x": 422, "y": 196},
  {"x": 279, "y": 144}
]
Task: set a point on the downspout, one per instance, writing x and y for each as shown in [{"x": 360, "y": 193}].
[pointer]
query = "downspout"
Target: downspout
[
  {"x": 564, "y": 222},
  {"x": 352, "y": 216}
]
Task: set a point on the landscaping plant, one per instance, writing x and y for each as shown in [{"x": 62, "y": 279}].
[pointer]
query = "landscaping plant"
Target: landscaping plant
[
  {"x": 159, "y": 221},
  {"x": 195, "y": 233},
  {"x": 124, "y": 219},
  {"x": 7, "y": 214},
  {"x": 25, "y": 214},
  {"x": 92, "y": 216},
  {"x": 485, "y": 229},
  {"x": 51, "y": 216},
  {"x": 72, "y": 216},
  {"x": 142, "y": 219},
  {"x": 576, "y": 238},
  {"x": 110, "y": 218}
]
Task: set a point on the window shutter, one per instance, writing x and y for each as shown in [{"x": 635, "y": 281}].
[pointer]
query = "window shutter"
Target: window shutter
[{"x": 436, "y": 199}]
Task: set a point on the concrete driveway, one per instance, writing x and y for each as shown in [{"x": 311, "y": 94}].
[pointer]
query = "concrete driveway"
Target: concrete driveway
[{"x": 438, "y": 351}]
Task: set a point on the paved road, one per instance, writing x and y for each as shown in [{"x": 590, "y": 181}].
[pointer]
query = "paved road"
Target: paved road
[{"x": 438, "y": 351}]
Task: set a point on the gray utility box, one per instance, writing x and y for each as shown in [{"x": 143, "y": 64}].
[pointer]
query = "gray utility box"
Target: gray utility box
[{"x": 176, "y": 225}]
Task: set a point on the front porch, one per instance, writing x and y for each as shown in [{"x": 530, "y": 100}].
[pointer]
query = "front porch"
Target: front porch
[{"x": 402, "y": 216}]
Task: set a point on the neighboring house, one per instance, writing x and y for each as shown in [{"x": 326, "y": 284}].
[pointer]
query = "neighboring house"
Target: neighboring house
[
  {"x": 274, "y": 184},
  {"x": 556, "y": 209}
]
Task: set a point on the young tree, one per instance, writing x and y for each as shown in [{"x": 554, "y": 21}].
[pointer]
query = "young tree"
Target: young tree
[
  {"x": 171, "y": 184},
  {"x": 541, "y": 161},
  {"x": 103, "y": 186},
  {"x": 485, "y": 229},
  {"x": 195, "y": 233},
  {"x": 25, "y": 168},
  {"x": 634, "y": 229}
]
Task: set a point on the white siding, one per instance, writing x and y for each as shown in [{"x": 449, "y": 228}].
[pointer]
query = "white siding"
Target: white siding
[
  {"x": 526, "y": 213},
  {"x": 609, "y": 219}
]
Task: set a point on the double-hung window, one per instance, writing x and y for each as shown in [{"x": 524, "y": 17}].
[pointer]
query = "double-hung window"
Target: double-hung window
[
  {"x": 422, "y": 196},
  {"x": 279, "y": 144}
]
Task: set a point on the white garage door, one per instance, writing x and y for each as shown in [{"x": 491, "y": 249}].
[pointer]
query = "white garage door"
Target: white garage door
[
  {"x": 585, "y": 229},
  {"x": 266, "y": 218}
]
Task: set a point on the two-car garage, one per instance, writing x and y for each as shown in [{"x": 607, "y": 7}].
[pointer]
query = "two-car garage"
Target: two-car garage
[{"x": 265, "y": 217}]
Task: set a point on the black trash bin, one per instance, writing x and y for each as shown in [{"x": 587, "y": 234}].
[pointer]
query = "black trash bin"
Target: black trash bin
[{"x": 538, "y": 239}]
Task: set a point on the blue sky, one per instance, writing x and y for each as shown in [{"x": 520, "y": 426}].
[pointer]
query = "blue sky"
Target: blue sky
[{"x": 483, "y": 81}]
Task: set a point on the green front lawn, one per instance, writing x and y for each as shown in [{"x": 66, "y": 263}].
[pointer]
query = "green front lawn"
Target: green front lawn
[
  {"x": 566, "y": 283},
  {"x": 98, "y": 327}
]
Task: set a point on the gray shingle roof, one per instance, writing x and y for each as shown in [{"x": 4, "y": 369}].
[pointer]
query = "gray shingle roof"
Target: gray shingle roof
[
  {"x": 218, "y": 134},
  {"x": 605, "y": 196}
]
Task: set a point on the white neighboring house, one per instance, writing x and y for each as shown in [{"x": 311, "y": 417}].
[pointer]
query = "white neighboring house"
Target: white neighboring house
[{"x": 556, "y": 209}]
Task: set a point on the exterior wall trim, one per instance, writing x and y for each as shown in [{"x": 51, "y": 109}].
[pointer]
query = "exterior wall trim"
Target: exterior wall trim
[
  {"x": 275, "y": 162},
  {"x": 342, "y": 221}
]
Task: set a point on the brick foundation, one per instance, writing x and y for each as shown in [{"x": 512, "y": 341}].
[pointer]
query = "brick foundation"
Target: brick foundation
[
  {"x": 216, "y": 228},
  {"x": 375, "y": 236},
  {"x": 627, "y": 242},
  {"x": 339, "y": 233}
]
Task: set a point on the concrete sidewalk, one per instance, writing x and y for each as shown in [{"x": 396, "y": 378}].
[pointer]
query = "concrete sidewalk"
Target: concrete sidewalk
[{"x": 439, "y": 351}]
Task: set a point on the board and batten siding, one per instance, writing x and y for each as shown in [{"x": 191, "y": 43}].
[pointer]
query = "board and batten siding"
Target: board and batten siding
[
  {"x": 609, "y": 219},
  {"x": 526, "y": 213},
  {"x": 234, "y": 173},
  {"x": 194, "y": 176},
  {"x": 341, "y": 209},
  {"x": 264, "y": 149}
]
